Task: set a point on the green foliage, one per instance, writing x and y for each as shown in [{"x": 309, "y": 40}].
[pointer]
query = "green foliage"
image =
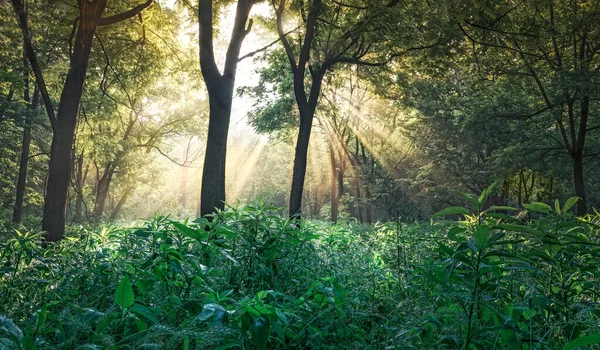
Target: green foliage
[
  {"x": 124, "y": 294},
  {"x": 249, "y": 279}
]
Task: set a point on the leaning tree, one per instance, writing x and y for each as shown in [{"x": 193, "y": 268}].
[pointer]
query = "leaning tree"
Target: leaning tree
[{"x": 90, "y": 18}]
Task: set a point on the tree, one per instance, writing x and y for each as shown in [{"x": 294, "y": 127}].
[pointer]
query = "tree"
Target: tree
[
  {"x": 220, "y": 94},
  {"x": 350, "y": 33},
  {"x": 64, "y": 123},
  {"x": 556, "y": 45},
  {"x": 25, "y": 145}
]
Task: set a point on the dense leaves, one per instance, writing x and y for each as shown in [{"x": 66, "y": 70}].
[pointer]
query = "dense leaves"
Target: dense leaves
[{"x": 250, "y": 279}]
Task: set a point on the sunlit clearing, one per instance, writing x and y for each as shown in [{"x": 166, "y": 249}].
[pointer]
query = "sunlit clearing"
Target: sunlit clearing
[
  {"x": 366, "y": 141},
  {"x": 249, "y": 163},
  {"x": 341, "y": 152},
  {"x": 319, "y": 157},
  {"x": 369, "y": 119}
]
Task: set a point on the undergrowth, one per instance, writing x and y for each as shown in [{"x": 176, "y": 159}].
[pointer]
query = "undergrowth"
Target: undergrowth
[{"x": 249, "y": 279}]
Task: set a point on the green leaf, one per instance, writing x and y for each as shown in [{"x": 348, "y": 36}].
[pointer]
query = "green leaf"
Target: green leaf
[
  {"x": 246, "y": 321},
  {"x": 557, "y": 206},
  {"x": 142, "y": 233},
  {"x": 144, "y": 285},
  {"x": 481, "y": 236},
  {"x": 124, "y": 295},
  {"x": 512, "y": 227},
  {"x": 569, "y": 203},
  {"x": 224, "y": 294},
  {"x": 229, "y": 346},
  {"x": 502, "y": 216},
  {"x": 452, "y": 211},
  {"x": 529, "y": 314},
  {"x": 141, "y": 310},
  {"x": 225, "y": 231},
  {"x": 141, "y": 325},
  {"x": 263, "y": 310},
  {"x": 197, "y": 234},
  {"x": 339, "y": 295},
  {"x": 500, "y": 207},
  {"x": 28, "y": 343},
  {"x": 470, "y": 198},
  {"x": 260, "y": 330},
  {"x": 90, "y": 315},
  {"x": 582, "y": 341},
  {"x": 40, "y": 316},
  {"x": 88, "y": 347},
  {"x": 7, "y": 325},
  {"x": 538, "y": 207},
  {"x": 282, "y": 316},
  {"x": 486, "y": 193},
  {"x": 454, "y": 232},
  {"x": 252, "y": 311}
]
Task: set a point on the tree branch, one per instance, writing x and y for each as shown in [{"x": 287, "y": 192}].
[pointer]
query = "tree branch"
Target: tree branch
[
  {"x": 124, "y": 15},
  {"x": 522, "y": 116},
  {"x": 593, "y": 128},
  {"x": 266, "y": 47},
  {"x": 282, "y": 36},
  {"x": 31, "y": 56},
  {"x": 208, "y": 65},
  {"x": 241, "y": 28}
]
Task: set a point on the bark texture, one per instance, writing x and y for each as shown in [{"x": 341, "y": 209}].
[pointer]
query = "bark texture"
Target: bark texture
[{"x": 220, "y": 97}]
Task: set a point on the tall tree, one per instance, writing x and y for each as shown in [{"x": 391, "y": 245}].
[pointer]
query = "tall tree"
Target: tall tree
[
  {"x": 220, "y": 96},
  {"x": 25, "y": 144},
  {"x": 556, "y": 45},
  {"x": 64, "y": 123},
  {"x": 349, "y": 33}
]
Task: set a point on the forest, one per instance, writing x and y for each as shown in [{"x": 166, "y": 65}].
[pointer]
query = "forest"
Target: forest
[{"x": 300, "y": 174}]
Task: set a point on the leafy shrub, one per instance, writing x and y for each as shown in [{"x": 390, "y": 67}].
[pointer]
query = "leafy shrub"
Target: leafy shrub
[{"x": 250, "y": 279}]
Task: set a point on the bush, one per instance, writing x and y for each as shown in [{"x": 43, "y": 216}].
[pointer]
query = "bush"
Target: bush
[{"x": 250, "y": 279}]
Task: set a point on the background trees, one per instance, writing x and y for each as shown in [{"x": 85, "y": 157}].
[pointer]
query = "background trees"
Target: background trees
[
  {"x": 554, "y": 46},
  {"x": 374, "y": 111},
  {"x": 334, "y": 34},
  {"x": 90, "y": 16}
]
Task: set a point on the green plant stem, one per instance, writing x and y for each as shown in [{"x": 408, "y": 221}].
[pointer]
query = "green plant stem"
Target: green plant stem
[{"x": 473, "y": 301}]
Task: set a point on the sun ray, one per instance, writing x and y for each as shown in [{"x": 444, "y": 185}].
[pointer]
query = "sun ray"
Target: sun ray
[{"x": 248, "y": 165}]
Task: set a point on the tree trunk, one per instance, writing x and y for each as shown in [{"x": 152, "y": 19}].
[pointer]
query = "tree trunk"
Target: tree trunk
[
  {"x": 8, "y": 99},
  {"x": 333, "y": 187},
  {"x": 212, "y": 195},
  {"x": 102, "y": 190},
  {"x": 20, "y": 195},
  {"x": 578, "y": 152},
  {"x": 368, "y": 205},
  {"x": 307, "y": 110},
  {"x": 120, "y": 204},
  {"x": 24, "y": 160},
  {"x": 79, "y": 181},
  {"x": 519, "y": 190},
  {"x": 55, "y": 203},
  {"x": 220, "y": 95},
  {"x": 359, "y": 207},
  {"x": 579, "y": 183},
  {"x": 63, "y": 126},
  {"x": 300, "y": 156},
  {"x": 183, "y": 194}
]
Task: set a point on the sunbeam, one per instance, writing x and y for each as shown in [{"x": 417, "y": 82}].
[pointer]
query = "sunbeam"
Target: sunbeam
[{"x": 248, "y": 161}]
